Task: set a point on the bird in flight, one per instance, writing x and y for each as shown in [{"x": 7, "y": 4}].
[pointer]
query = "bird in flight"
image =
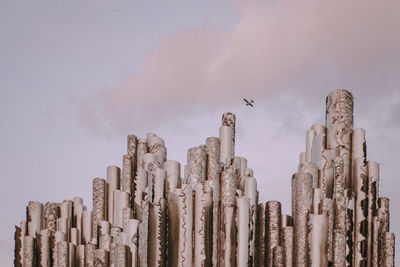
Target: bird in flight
[{"x": 249, "y": 103}]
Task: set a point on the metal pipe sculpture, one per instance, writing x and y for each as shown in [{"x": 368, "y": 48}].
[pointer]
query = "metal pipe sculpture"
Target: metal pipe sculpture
[{"x": 145, "y": 214}]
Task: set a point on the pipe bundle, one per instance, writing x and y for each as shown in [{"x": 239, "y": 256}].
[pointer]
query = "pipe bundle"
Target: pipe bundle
[{"x": 147, "y": 214}]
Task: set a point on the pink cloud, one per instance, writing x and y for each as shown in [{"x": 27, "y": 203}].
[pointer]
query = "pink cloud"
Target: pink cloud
[{"x": 272, "y": 47}]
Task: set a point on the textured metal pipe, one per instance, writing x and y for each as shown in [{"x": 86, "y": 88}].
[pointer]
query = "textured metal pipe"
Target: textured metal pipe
[
  {"x": 78, "y": 220},
  {"x": 203, "y": 225},
  {"x": 373, "y": 184},
  {"x": 375, "y": 241},
  {"x": 227, "y": 146},
  {"x": 80, "y": 256},
  {"x": 318, "y": 239},
  {"x": 213, "y": 176},
  {"x": 287, "y": 244},
  {"x": 360, "y": 178},
  {"x": 339, "y": 124},
  {"x": 122, "y": 256},
  {"x": 389, "y": 249},
  {"x": 173, "y": 173},
  {"x": 99, "y": 204},
  {"x": 121, "y": 201},
  {"x": 383, "y": 217},
  {"x": 126, "y": 174},
  {"x": 50, "y": 216},
  {"x": 302, "y": 205},
  {"x": 158, "y": 185},
  {"x": 34, "y": 217},
  {"x": 273, "y": 228},
  {"x": 89, "y": 255},
  {"x": 180, "y": 227},
  {"x": 144, "y": 234},
  {"x": 113, "y": 183},
  {"x": 141, "y": 150},
  {"x": 157, "y": 147},
  {"x": 44, "y": 248},
  {"x": 278, "y": 257},
  {"x": 250, "y": 192},
  {"x": 19, "y": 245},
  {"x": 309, "y": 142},
  {"x": 100, "y": 258},
  {"x": 157, "y": 233},
  {"x": 261, "y": 235},
  {"x": 62, "y": 254},
  {"x": 229, "y": 119},
  {"x": 29, "y": 252},
  {"x": 339, "y": 248},
  {"x": 196, "y": 166},
  {"x": 242, "y": 221},
  {"x": 132, "y": 232},
  {"x": 87, "y": 226},
  {"x": 131, "y": 149}
]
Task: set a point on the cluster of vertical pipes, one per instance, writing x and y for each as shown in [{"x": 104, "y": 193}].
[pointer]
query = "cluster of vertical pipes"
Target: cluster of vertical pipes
[{"x": 148, "y": 215}]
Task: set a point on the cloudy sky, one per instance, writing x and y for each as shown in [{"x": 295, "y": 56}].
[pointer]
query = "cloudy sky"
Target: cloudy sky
[{"x": 78, "y": 76}]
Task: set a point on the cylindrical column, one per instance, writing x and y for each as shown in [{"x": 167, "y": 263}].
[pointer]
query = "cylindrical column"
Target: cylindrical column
[
  {"x": 43, "y": 243},
  {"x": 34, "y": 213},
  {"x": 196, "y": 166},
  {"x": 278, "y": 257},
  {"x": 339, "y": 248},
  {"x": 229, "y": 119},
  {"x": 50, "y": 215},
  {"x": 339, "y": 124},
  {"x": 287, "y": 244},
  {"x": 318, "y": 239},
  {"x": 309, "y": 142},
  {"x": 113, "y": 176},
  {"x": 127, "y": 174},
  {"x": 226, "y": 149},
  {"x": 203, "y": 225},
  {"x": 141, "y": 150},
  {"x": 99, "y": 203},
  {"x": 242, "y": 253},
  {"x": 389, "y": 250},
  {"x": 121, "y": 201},
  {"x": 213, "y": 175},
  {"x": 28, "y": 250},
  {"x": 360, "y": 179},
  {"x": 273, "y": 228},
  {"x": 87, "y": 226},
  {"x": 180, "y": 227},
  {"x": 261, "y": 235},
  {"x": 173, "y": 173},
  {"x": 157, "y": 147},
  {"x": 373, "y": 183},
  {"x": 62, "y": 254},
  {"x": 89, "y": 255},
  {"x": 383, "y": 217},
  {"x": 157, "y": 233},
  {"x": 101, "y": 257}
]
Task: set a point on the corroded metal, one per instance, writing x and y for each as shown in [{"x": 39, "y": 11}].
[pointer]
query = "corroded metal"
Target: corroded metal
[
  {"x": 89, "y": 255},
  {"x": 62, "y": 254},
  {"x": 388, "y": 249},
  {"x": 318, "y": 239},
  {"x": 157, "y": 233},
  {"x": 43, "y": 247},
  {"x": 278, "y": 257},
  {"x": 226, "y": 148},
  {"x": 273, "y": 228},
  {"x": 99, "y": 204},
  {"x": 229, "y": 119},
  {"x": 34, "y": 217},
  {"x": 142, "y": 149},
  {"x": 203, "y": 225},
  {"x": 339, "y": 125},
  {"x": 196, "y": 168},
  {"x": 302, "y": 205},
  {"x": 242, "y": 221},
  {"x": 126, "y": 174},
  {"x": 213, "y": 176},
  {"x": 373, "y": 182},
  {"x": 50, "y": 215},
  {"x": 29, "y": 259},
  {"x": 157, "y": 147},
  {"x": 261, "y": 235},
  {"x": 287, "y": 244}
]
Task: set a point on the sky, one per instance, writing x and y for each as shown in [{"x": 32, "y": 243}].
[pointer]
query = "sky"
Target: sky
[{"x": 78, "y": 76}]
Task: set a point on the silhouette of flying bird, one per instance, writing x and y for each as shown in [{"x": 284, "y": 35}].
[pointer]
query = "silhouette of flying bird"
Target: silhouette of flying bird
[{"x": 249, "y": 103}]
